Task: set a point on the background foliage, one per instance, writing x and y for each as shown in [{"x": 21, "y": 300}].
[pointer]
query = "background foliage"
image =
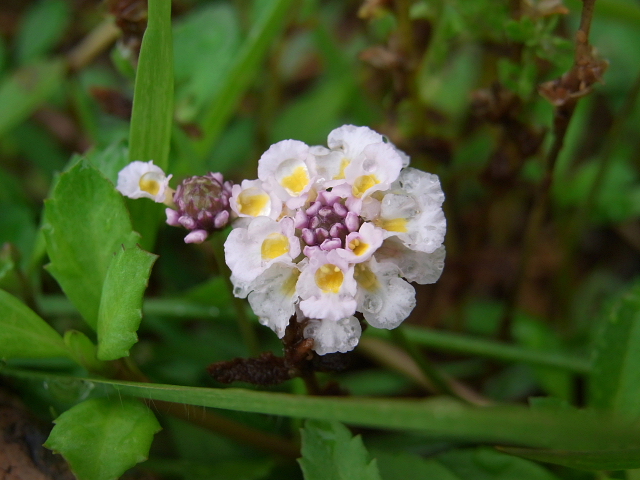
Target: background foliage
[{"x": 520, "y": 363}]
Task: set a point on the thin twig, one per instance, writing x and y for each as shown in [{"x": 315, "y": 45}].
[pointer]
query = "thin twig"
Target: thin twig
[{"x": 98, "y": 40}]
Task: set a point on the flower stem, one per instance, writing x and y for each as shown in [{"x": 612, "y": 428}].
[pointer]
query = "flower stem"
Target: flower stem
[{"x": 244, "y": 325}]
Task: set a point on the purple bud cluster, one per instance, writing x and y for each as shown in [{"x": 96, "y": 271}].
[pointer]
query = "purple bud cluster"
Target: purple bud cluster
[
  {"x": 202, "y": 205},
  {"x": 326, "y": 222}
]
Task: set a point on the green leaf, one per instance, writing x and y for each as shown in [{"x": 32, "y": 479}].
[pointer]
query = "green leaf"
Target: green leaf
[
  {"x": 484, "y": 463},
  {"x": 121, "y": 304},
  {"x": 152, "y": 114},
  {"x": 85, "y": 223},
  {"x": 615, "y": 381},
  {"x": 583, "y": 460},
  {"x": 438, "y": 418},
  {"x": 41, "y": 29},
  {"x": 23, "y": 334},
  {"x": 329, "y": 452},
  {"x": 102, "y": 438},
  {"x": 25, "y": 89},
  {"x": 261, "y": 36}
]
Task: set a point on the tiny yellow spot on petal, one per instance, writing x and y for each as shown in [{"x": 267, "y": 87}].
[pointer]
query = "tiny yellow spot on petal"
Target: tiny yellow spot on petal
[
  {"x": 365, "y": 277},
  {"x": 329, "y": 278},
  {"x": 149, "y": 183},
  {"x": 343, "y": 164},
  {"x": 253, "y": 204},
  {"x": 362, "y": 184},
  {"x": 295, "y": 183},
  {"x": 289, "y": 285},
  {"x": 393, "y": 225},
  {"x": 274, "y": 246}
]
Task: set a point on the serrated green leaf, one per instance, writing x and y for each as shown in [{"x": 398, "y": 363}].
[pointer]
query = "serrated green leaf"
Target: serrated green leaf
[
  {"x": 25, "y": 89},
  {"x": 85, "y": 223},
  {"x": 121, "y": 304},
  {"x": 102, "y": 438},
  {"x": 330, "y": 452},
  {"x": 23, "y": 334},
  {"x": 583, "y": 460},
  {"x": 615, "y": 379},
  {"x": 152, "y": 114},
  {"x": 42, "y": 27}
]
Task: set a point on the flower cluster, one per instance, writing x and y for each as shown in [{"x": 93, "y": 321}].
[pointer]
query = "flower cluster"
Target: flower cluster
[{"x": 324, "y": 233}]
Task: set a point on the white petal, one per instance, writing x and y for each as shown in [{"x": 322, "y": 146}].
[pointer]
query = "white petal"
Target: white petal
[
  {"x": 420, "y": 267},
  {"x": 384, "y": 298},
  {"x": 333, "y": 336},
  {"x": 273, "y": 297},
  {"x": 352, "y": 140}
]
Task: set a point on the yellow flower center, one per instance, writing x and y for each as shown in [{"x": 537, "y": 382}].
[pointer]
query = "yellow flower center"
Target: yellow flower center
[
  {"x": 296, "y": 181},
  {"x": 392, "y": 225},
  {"x": 329, "y": 278},
  {"x": 365, "y": 277},
  {"x": 358, "y": 247},
  {"x": 274, "y": 245},
  {"x": 362, "y": 184},
  {"x": 253, "y": 202},
  {"x": 149, "y": 182}
]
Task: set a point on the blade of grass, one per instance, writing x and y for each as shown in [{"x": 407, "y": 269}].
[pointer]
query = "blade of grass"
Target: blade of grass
[
  {"x": 438, "y": 417},
  {"x": 152, "y": 115},
  {"x": 451, "y": 342}
]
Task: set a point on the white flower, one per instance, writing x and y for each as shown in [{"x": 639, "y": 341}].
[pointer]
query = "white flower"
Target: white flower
[
  {"x": 253, "y": 199},
  {"x": 326, "y": 287},
  {"x": 250, "y": 251},
  {"x": 361, "y": 245},
  {"x": 333, "y": 336},
  {"x": 346, "y": 143},
  {"x": 140, "y": 179},
  {"x": 289, "y": 168}
]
